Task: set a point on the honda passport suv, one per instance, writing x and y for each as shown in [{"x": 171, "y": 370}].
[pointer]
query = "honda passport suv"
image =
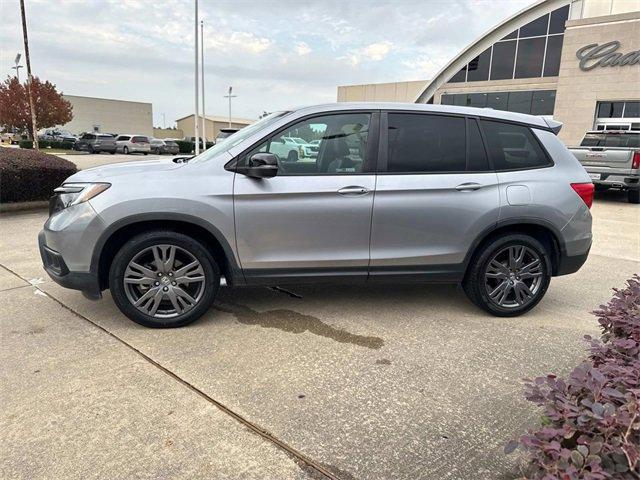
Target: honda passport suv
[{"x": 397, "y": 193}]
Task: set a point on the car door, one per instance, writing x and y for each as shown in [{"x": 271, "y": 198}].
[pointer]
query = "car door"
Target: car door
[
  {"x": 435, "y": 195},
  {"x": 313, "y": 219}
]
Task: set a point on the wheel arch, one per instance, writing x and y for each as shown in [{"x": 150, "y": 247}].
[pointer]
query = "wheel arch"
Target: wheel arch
[
  {"x": 114, "y": 237},
  {"x": 540, "y": 229}
]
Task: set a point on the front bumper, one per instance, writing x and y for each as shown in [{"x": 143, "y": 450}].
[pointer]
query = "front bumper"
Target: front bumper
[{"x": 56, "y": 268}]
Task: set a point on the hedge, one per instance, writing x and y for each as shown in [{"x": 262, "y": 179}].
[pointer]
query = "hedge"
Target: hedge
[
  {"x": 28, "y": 175},
  {"x": 43, "y": 144},
  {"x": 591, "y": 424},
  {"x": 189, "y": 147}
]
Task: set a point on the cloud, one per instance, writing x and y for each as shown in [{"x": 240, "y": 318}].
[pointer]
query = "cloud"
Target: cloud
[
  {"x": 275, "y": 54},
  {"x": 302, "y": 48}
]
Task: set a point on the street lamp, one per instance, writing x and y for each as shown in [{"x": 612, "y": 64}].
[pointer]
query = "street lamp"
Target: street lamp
[
  {"x": 17, "y": 67},
  {"x": 197, "y": 115},
  {"x": 229, "y": 96}
]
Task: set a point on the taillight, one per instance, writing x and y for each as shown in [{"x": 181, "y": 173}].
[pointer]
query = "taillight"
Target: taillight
[
  {"x": 635, "y": 163},
  {"x": 585, "y": 192}
]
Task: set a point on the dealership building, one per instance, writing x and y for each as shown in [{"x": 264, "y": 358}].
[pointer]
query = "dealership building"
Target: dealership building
[{"x": 575, "y": 60}]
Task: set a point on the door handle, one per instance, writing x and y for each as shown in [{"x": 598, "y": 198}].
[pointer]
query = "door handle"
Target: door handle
[
  {"x": 468, "y": 187},
  {"x": 353, "y": 190}
]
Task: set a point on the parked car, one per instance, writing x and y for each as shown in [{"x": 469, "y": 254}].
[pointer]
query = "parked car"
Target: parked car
[
  {"x": 612, "y": 159},
  {"x": 489, "y": 199},
  {"x": 96, "y": 143},
  {"x": 133, "y": 144},
  {"x": 159, "y": 146},
  {"x": 12, "y": 138},
  {"x": 224, "y": 133},
  {"x": 288, "y": 149},
  {"x": 57, "y": 135}
]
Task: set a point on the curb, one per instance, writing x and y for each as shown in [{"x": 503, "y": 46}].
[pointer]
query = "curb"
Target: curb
[{"x": 23, "y": 206}]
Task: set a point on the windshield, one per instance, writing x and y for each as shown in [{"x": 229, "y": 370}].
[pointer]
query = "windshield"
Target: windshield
[{"x": 238, "y": 137}]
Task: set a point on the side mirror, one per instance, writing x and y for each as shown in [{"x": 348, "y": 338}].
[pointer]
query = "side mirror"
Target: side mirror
[{"x": 261, "y": 165}]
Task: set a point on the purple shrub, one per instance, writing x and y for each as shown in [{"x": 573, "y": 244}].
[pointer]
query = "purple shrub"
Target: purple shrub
[{"x": 591, "y": 420}]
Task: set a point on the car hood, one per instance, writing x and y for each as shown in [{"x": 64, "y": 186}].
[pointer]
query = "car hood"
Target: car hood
[{"x": 107, "y": 172}]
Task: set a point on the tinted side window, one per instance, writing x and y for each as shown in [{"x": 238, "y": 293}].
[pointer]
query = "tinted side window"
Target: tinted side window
[
  {"x": 477, "y": 160},
  {"x": 426, "y": 143},
  {"x": 513, "y": 146},
  {"x": 324, "y": 145}
]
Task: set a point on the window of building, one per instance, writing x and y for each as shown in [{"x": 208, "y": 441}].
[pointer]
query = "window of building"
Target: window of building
[
  {"x": 520, "y": 102},
  {"x": 543, "y": 102},
  {"x": 461, "y": 76},
  {"x": 513, "y": 147},
  {"x": 478, "y": 68},
  {"x": 632, "y": 109},
  {"x": 553, "y": 55},
  {"x": 558, "y": 19},
  {"x": 503, "y": 57},
  {"x": 421, "y": 143},
  {"x": 497, "y": 100},
  {"x": 535, "y": 28},
  {"x": 341, "y": 148},
  {"x": 610, "y": 109},
  {"x": 529, "y": 58},
  {"x": 536, "y": 102},
  {"x": 539, "y": 46}
]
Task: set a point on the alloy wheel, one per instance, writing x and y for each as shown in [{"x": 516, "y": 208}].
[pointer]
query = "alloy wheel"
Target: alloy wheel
[
  {"x": 164, "y": 281},
  {"x": 513, "y": 277}
]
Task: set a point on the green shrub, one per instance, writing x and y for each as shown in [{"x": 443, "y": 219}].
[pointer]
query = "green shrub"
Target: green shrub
[
  {"x": 26, "y": 143},
  {"x": 185, "y": 146},
  {"x": 27, "y": 175}
]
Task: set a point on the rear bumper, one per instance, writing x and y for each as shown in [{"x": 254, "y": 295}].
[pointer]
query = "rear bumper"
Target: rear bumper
[
  {"x": 571, "y": 264},
  {"x": 615, "y": 178},
  {"x": 56, "y": 268}
]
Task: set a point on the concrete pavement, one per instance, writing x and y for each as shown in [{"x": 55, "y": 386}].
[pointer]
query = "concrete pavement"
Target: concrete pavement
[{"x": 365, "y": 382}]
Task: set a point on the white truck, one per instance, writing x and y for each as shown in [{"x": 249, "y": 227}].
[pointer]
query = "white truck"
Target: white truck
[{"x": 612, "y": 160}]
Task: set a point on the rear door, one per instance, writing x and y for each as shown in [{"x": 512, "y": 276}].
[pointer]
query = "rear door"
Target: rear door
[
  {"x": 313, "y": 219},
  {"x": 436, "y": 193}
]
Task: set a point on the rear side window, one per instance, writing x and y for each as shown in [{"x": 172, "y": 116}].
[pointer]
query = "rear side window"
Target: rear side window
[
  {"x": 140, "y": 139},
  {"x": 122, "y": 138},
  {"x": 426, "y": 143},
  {"x": 477, "y": 160},
  {"x": 593, "y": 140},
  {"x": 513, "y": 147}
]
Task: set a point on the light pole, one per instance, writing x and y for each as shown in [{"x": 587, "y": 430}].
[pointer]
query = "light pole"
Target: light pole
[
  {"x": 229, "y": 96},
  {"x": 204, "y": 130},
  {"x": 196, "y": 116},
  {"x": 17, "y": 67},
  {"x": 29, "y": 77}
]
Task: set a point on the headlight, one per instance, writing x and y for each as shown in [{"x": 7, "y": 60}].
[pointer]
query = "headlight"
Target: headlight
[{"x": 70, "y": 194}]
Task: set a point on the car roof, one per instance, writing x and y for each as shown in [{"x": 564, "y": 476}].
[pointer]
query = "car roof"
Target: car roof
[{"x": 423, "y": 107}]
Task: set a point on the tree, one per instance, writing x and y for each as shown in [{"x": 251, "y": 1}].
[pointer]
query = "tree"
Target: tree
[{"x": 51, "y": 108}]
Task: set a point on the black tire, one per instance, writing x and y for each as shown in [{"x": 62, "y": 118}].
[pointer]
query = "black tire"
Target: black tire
[
  {"x": 125, "y": 150},
  {"x": 112, "y": 152},
  {"x": 475, "y": 285},
  {"x": 91, "y": 149},
  {"x": 292, "y": 156},
  {"x": 138, "y": 244},
  {"x": 633, "y": 196}
]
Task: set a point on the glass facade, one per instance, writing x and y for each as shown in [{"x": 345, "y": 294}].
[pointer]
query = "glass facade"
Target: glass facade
[
  {"x": 531, "y": 51},
  {"x": 536, "y": 102}
]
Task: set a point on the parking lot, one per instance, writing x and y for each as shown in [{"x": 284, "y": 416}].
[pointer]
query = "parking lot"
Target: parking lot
[{"x": 349, "y": 382}]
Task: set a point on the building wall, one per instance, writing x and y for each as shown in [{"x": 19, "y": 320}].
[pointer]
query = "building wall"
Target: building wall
[
  {"x": 382, "y": 92},
  {"x": 579, "y": 91},
  {"x": 110, "y": 116},
  {"x": 168, "y": 133},
  {"x": 212, "y": 126}
]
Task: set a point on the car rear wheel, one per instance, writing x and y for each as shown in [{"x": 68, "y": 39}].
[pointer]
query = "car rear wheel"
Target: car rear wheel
[
  {"x": 633, "y": 196},
  {"x": 509, "y": 276},
  {"x": 125, "y": 150},
  {"x": 163, "y": 279}
]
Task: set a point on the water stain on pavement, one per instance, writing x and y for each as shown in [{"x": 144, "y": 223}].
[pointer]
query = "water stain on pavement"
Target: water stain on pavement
[{"x": 294, "y": 322}]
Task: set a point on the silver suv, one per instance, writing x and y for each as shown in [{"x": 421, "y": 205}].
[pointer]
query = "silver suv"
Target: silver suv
[{"x": 420, "y": 193}]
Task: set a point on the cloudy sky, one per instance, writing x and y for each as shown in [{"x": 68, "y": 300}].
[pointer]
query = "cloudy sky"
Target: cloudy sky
[{"x": 274, "y": 53}]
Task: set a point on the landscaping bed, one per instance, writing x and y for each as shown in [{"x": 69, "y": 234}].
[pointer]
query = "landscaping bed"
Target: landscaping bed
[{"x": 30, "y": 175}]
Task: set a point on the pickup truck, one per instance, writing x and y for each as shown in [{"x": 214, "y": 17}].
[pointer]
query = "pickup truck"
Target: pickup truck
[{"x": 612, "y": 160}]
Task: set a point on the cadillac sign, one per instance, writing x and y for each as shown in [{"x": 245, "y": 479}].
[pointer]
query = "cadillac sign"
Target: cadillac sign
[{"x": 605, "y": 55}]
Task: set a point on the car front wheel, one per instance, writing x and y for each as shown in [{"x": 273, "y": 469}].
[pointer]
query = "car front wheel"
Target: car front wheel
[
  {"x": 509, "y": 276},
  {"x": 163, "y": 279}
]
